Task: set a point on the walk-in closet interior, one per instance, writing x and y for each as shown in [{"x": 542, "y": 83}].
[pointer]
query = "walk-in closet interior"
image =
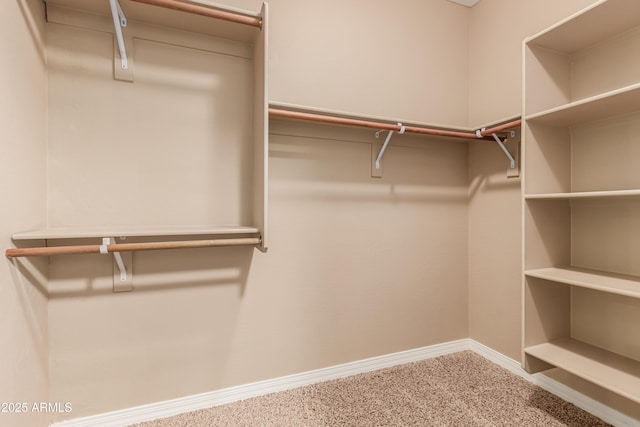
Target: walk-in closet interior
[{"x": 203, "y": 202}]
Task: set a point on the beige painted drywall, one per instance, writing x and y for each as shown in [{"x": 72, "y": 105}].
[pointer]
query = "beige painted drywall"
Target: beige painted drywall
[
  {"x": 494, "y": 250},
  {"x": 497, "y": 29},
  {"x": 24, "y": 374},
  {"x": 198, "y": 321},
  {"x": 406, "y": 60},
  {"x": 357, "y": 266}
]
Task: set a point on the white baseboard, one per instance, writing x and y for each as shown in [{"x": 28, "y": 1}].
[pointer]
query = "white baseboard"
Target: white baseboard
[
  {"x": 233, "y": 394},
  {"x": 169, "y": 408}
]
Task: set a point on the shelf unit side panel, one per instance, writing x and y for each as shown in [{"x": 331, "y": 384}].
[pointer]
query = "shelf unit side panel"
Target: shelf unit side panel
[
  {"x": 172, "y": 148},
  {"x": 547, "y": 79},
  {"x": 548, "y": 157},
  {"x": 607, "y": 321},
  {"x": 604, "y": 154},
  {"x": 606, "y": 66},
  {"x": 605, "y": 235},
  {"x": 261, "y": 129}
]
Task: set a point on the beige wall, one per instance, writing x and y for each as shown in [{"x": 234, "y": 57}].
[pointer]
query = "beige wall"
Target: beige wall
[
  {"x": 406, "y": 59},
  {"x": 497, "y": 29},
  {"x": 23, "y": 305},
  {"x": 345, "y": 278},
  {"x": 357, "y": 266}
]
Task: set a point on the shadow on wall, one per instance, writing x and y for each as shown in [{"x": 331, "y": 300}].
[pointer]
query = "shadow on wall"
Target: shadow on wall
[
  {"x": 334, "y": 164},
  {"x": 82, "y": 276},
  {"x": 494, "y": 165},
  {"x": 30, "y": 15}
]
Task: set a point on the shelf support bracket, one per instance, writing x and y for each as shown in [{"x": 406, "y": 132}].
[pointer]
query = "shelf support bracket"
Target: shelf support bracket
[
  {"x": 122, "y": 282},
  {"x": 386, "y": 143},
  {"x": 122, "y": 63},
  {"x": 119, "y": 21},
  {"x": 512, "y": 161}
]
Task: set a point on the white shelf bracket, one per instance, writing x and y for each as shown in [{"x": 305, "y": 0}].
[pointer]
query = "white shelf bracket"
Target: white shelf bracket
[
  {"x": 386, "y": 143},
  {"x": 512, "y": 161},
  {"x": 119, "y": 21},
  {"x": 122, "y": 282}
]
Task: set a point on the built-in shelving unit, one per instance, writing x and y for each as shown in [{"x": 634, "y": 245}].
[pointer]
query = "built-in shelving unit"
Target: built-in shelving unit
[
  {"x": 581, "y": 139},
  {"x": 175, "y": 144}
]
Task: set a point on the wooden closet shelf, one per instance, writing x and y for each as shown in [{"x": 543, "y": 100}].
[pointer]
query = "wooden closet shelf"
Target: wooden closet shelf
[
  {"x": 620, "y": 284},
  {"x": 584, "y": 195},
  {"x": 604, "y": 368},
  {"x": 613, "y": 103},
  {"x": 117, "y": 231},
  {"x": 232, "y": 23},
  {"x": 600, "y": 21}
]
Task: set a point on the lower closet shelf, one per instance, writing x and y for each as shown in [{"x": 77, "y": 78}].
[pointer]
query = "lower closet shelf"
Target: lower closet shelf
[{"x": 609, "y": 370}]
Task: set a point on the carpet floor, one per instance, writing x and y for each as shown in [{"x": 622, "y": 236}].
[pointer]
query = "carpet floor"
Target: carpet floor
[{"x": 461, "y": 389}]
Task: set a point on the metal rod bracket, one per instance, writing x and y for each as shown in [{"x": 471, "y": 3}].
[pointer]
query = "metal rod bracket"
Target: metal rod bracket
[
  {"x": 512, "y": 161},
  {"x": 122, "y": 282},
  {"x": 386, "y": 143},
  {"x": 119, "y": 21}
]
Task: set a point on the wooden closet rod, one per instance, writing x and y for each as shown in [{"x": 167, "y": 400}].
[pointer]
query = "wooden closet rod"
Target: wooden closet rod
[
  {"x": 205, "y": 11},
  {"x": 312, "y": 117},
  {"x": 130, "y": 247}
]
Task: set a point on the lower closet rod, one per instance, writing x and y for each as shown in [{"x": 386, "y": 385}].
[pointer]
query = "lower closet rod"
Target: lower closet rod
[{"x": 130, "y": 247}]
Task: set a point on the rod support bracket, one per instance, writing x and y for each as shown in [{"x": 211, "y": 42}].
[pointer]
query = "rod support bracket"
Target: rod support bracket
[
  {"x": 512, "y": 161},
  {"x": 122, "y": 282},
  {"x": 386, "y": 143}
]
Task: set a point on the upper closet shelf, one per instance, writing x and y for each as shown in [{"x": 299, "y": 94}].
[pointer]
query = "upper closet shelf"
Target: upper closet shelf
[
  {"x": 600, "y": 21},
  {"x": 195, "y": 16},
  {"x": 143, "y": 231},
  {"x": 609, "y": 104}
]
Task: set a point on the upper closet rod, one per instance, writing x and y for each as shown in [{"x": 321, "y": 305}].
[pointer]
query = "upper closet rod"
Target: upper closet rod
[
  {"x": 205, "y": 11},
  {"x": 129, "y": 247},
  {"x": 275, "y": 112}
]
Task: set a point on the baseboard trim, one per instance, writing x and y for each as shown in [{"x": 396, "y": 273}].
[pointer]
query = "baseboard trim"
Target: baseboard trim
[
  {"x": 169, "y": 408},
  {"x": 233, "y": 394}
]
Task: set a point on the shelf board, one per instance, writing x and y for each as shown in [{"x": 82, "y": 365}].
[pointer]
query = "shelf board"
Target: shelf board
[
  {"x": 118, "y": 231},
  {"x": 583, "y": 195},
  {"x": 620, "y": 284},
  {"x": 617, "y": 102},
  {"x": 164, "y": 17},
  {"x": 600, "y": 21},
  {"x": 604, "y": 368}
]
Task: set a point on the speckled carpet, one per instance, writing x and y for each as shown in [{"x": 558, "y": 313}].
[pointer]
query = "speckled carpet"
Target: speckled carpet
[{"x": 461, "y": 389}]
